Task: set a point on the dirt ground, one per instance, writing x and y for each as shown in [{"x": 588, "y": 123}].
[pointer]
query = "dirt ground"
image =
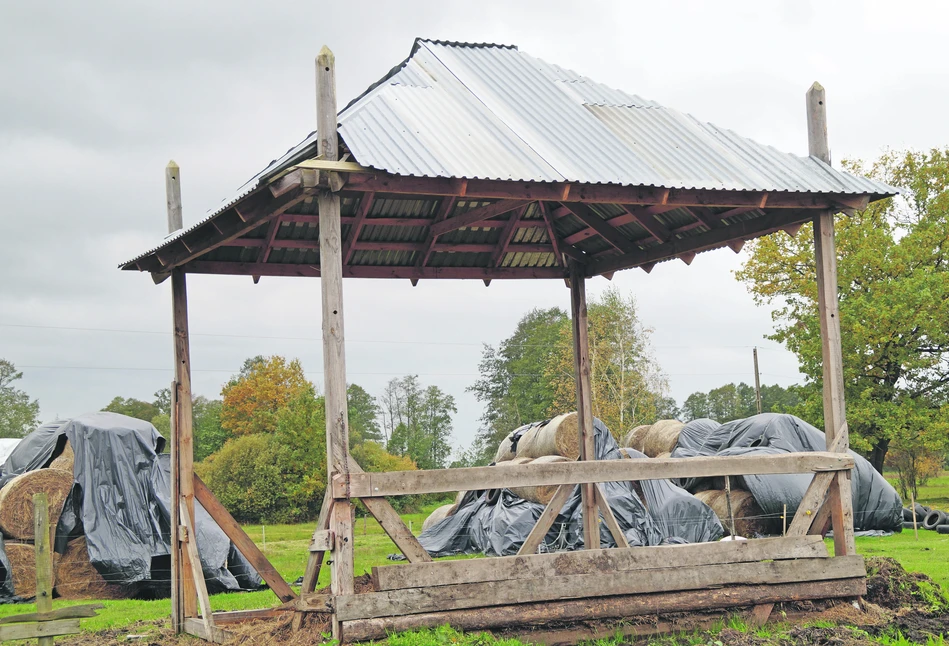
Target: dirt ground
[{"x": 896, "y": 601}]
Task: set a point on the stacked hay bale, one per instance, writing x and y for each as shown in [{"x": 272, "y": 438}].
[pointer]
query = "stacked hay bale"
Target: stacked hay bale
[
  {"x": 655, "y": 439},
  {"x": 749, "y": 518},
  {"x": 77, "y": 578},
  {"x": 560, "y": 436}
]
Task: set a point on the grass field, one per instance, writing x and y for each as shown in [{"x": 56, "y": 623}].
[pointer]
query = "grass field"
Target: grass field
[{"x": 286, "y": 547}]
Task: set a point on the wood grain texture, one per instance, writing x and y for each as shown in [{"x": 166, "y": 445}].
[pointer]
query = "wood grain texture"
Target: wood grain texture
[
  {"x": 42, "y": 630},
  {"x": 581, "y": 365},
  {"x": 543, "y": 524}
]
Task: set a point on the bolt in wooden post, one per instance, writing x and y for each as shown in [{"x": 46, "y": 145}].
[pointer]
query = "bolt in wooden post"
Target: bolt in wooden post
[
  {"x": 44, "y": 560},
  {"x": 825, "y": 256}
]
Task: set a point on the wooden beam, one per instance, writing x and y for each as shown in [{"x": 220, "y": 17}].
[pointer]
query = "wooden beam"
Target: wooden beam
[
  {"x": 609, "y": 518},
  {"x": 701, "y": 242},
  {"x": 540, "y": 566},
  {"x": 705, "y": 216},
  {"x": 581, "y": 364},
  {"x": 45, "y": 630},
  {"x": 197, "y": 628},
  {"x": 687, "y": 257},
  {"x": 390, "y": 221},
  {"x": 810, "y": 504},
  {"x": 334, "y": 344},
  {"x": 400, "y": 483},
  {"x": 445, "y": 207},
  {"x": 596, "y": 584},
  {"x": 543, "y": 524},
  {"x": 69, "y": 612},
  {"x": 736, "y": 245},
  {"x": 507, "y": 234},
  {"x": 191, "y": 544},
  {"x": 353, "y": 237},
  {"x": 244, "y": 544},
  {"x": 392, "y": 523},
  {"x": 600, "y": 608},
  {"x": 333, "y": 165},
  {"x": 835, "y": 416},
  {"x": 474, "y": 216},
  {"x": 312, "y": 573},
  {"x": 173, "y": 196},
  {"x": 372, "y": 271},
  {"x": 605, "y": 230},
  {"x": 646, "y": 220},
  {"x": 43, "y": 558},
  {"x": 551, "y": 233},
  {"x": 238, "y": 616}
]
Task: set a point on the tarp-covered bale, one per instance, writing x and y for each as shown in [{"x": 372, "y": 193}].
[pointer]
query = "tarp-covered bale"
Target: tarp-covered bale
[
  {"x": 560, "y": 436},
  {"x": 438, "y": 515},
  {"x": 16, "y": 500},
  {"x": 661, "y": 437},
  {"x": 505, "y": 450}
]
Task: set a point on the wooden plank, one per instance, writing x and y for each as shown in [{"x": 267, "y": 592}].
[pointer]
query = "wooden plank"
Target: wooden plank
[
  {"x": 333, "y": 165},
  {"x": 810, "y": 504},
  {"x": 365, "y": 271},
  {"x": 41, "y": 630},
  {"x": 191, "y": 544},
  {"x": 69, "y": 612},
  {"x": 352, "y": 238},
  {"x": 825, "y": 255},
  {"x": 712, "y": 239},
  {"x": 322, "y": 541},
  {"x": 244, "y": 543},
  {"x": 611, "y": 523},
  {"x": 312, "y": 573},
  {"x": 400, "y": 483},
  {"x": 44, "y": 559},
  {"x": 474, "y": 216},
  {"x": 539, "y": 614},
  {"x": 182, "y": 469},
  {"x": 392, "y": 523},
  {"x": 497, "y": 593},
  {"x": 581, "y": 365},
  {"x": 238, "y": 616},
  {"x": 539, "y": 566},
  {"x": 197, "y": 628},
  {"x": 313, "y": 602},
  {"x": 605, "y": 230},
  {"x": 541, "y": 527},
  {"x": 341, "y": 520}
]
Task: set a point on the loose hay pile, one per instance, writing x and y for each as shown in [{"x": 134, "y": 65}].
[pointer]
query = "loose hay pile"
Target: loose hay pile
[
  {"x": 16, "y": 500},
  {"x": 77, "y": 578}
]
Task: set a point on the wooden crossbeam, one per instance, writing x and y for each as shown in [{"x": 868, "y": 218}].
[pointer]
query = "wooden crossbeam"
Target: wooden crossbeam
[
  {"x": 474, "y": 216},
  {"x": 647, "y": 220},
  {"x": 604, "y": 229},
  {"x": 399, "y": 483},
  {"x": 705, "y": 216},
  {"x": 390, "y": 221},
  {"x": 547, "y": 518},
  {"x": 367, "y": 271},
  {"x": 201, "y": 588},
  {"x": 507, "y": 234},
  {"x": 609, "y": 518},
  {"x": 551, "y": 233},
  {"x": 445, "y": 208},
  {"x": 397, "y": 245},
  {"x": 353, "y": 236}
]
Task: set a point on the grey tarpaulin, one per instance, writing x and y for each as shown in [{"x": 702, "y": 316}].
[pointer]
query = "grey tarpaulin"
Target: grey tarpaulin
[
  {"x": 120, "y": 502},
  {"x": 876, "y": 505},
  {"x": 497, "y": 522}
]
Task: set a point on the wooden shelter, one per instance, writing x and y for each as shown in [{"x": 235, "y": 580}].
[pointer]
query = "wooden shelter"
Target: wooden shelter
[{"x": 479, "y": 161}]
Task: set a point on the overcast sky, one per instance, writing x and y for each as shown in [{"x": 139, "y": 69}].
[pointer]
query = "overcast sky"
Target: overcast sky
[{"x": 96, "y": 97}]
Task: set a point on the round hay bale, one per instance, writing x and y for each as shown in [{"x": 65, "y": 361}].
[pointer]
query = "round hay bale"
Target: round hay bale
[
  {"x": 543, "y": 493},
  {"x": 560, "y": 436},
  {"x": 634, "y": 439},
  {"x": 23, "y": 565},
  {"x": 749, "y": 520},
  {"x": 64, "y": 461},
  {"x": 664, "y": 455},
  {"x": 505, "y": 450},
  {"x": 438, "y": 515},
  {"x": 662, "y": 437},
  {"x": 16, "y": 500},
  {"x": 77, "y": 578}
]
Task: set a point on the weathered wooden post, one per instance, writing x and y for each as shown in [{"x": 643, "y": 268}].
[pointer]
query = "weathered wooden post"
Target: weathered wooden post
[
  {"x": 44, "y": 559},
  {"x": 334, "y": 350},
  {"x": 581, "y": 358},
  {"x": 825, "y": 255},
  {"x": 183, "y": 592}
]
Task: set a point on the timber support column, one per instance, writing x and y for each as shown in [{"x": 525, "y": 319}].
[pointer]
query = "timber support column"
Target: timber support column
[
  {"x": 183, "y": 591},
  {"x": 825, "y": 256},
  {"x": 581, "y": 359},
  {"x": 334, "y": 350}
]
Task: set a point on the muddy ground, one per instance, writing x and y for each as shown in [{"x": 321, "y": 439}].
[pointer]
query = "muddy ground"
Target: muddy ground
[{"x": 897, "y": 602}]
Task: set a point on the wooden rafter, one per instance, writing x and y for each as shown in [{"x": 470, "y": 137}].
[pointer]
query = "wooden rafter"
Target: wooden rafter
[
  {"x": 397, "y": 245},
  {"x": 444, "y": 209},
  {"x": 701, "y": 242},
  {"x": 348, "y": 244},
  {"x": 705, "y": 216},
  {"x": 551, "y": 234},
  {"x": 474, "y": 216},
  {"x": 507, "y": 234},
  {"x": 607, "y": 231},
  {"x": 375, "y": 271},
  {"x": 648, "y": 221}
]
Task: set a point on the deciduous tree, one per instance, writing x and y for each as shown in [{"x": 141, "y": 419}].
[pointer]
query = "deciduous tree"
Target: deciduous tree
[
  {"x": 253, "y": 398},
  {"x": 19, "y": 415}
]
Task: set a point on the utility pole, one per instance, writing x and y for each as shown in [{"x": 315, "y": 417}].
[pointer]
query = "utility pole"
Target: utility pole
[{"x": 757, "y": 381}]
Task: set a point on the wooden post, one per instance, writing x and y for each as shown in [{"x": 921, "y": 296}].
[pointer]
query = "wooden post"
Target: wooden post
[
  {"x": 757, "y": 382},
  {"x": 44, "y": 559},
  {"x": 825, "y": 255},
  {"x": 334, "y": 351},
  {"x": 581, "y": 357},
  {"x": 184, "y": 595}
]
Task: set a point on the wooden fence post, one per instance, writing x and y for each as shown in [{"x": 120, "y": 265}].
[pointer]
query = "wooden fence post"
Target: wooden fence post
[
  {"x": 825, "y": 256},
  {"x": 44, "y": 559},
  {"x": 581, "y": 358}
]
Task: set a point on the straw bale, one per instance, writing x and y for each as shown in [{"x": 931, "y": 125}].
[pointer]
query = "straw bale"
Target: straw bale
[
  {"x": 77, "y": 578},
  {"x": 23, "y": 563},
  {"x": 439, "y": 514},
  {"x": 543, "y": 493},
  {"x": 749, "y": 519},
  {"x": 560, "y": 436},
  {"x": 662, "y": 437},
  {"x": 505, "y": 450},
  {"x": 64, "y": 461},
  {"x": 16, "y": 500},
  {"x": 634, "y": 439}
]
